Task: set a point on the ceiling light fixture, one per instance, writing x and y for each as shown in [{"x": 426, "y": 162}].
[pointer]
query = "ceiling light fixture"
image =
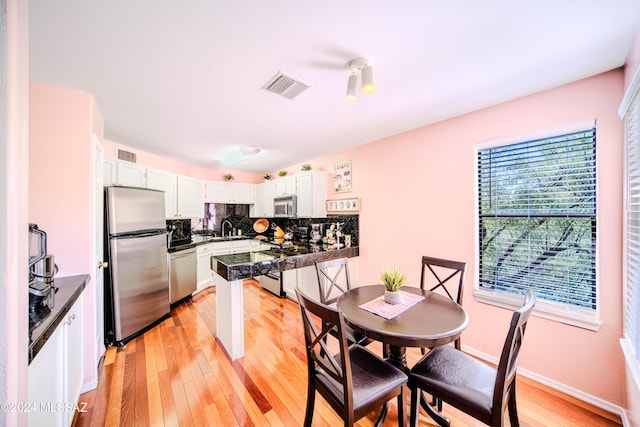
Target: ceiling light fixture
[
  {"x": 239, "y": 154},
  {"x": 352, "y": 88},
  {"x": 360, "y": 69}
]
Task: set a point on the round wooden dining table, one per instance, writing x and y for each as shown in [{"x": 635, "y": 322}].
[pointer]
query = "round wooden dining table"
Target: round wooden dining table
[{"x": 436, "y": 320}]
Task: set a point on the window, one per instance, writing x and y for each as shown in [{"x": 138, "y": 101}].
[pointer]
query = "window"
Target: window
[
  {"x": 537, "y": 224},
  {"x": 631, "y": 343}
]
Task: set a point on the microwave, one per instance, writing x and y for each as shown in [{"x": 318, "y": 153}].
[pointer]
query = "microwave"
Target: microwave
[{"x": 285, "y": 207}]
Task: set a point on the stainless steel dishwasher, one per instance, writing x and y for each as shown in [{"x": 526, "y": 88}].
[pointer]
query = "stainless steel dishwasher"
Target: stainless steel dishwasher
[{"x": 182, "y": 274}]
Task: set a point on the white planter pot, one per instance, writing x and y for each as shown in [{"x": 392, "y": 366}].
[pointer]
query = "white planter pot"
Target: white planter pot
[{"x": 393, "y": 297}]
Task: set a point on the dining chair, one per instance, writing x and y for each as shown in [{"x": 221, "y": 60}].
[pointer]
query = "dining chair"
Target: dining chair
[
  {"x": 353, "y": 381},
  {"x": 468, "y": 384},
  {"x": 333, "y": 281},
  {"x": 442, "y": 278}
]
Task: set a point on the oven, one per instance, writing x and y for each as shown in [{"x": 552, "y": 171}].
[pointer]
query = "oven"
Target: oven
[{"x": 285, "y": 207}]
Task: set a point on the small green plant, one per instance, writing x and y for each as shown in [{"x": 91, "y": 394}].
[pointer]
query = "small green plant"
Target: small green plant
[
  {"x": 267, "y": 177},
  {"x": 305, "y": 167},
  {"x": 392, "y": 279},
  {"x": 282, "y": 173},
  {"x": 229, "y": 177}
]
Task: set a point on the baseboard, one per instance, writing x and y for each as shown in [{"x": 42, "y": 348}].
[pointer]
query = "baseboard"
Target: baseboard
[{"x": 578, "y": 394}]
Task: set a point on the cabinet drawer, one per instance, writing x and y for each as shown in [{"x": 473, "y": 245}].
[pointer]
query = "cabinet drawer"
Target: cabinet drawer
[{"x": 204, "y": 249}]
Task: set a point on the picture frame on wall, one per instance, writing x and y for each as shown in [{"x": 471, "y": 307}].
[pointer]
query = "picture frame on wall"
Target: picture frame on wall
[
  {"x": 351, "y": 205},
  {"x": 342, "y": 177}
]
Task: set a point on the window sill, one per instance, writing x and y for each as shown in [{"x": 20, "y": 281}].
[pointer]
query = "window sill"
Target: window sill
[
  {"x": 632, "y": 365},
  {"x": 585, "y": 319}
]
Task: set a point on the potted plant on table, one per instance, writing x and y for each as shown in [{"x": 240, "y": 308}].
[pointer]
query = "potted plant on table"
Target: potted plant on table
[{"x": 392, "y": 280}]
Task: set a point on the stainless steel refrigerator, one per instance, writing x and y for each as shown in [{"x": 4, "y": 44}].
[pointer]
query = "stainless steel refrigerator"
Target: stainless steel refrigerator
[{"x": 136, "y": 278}]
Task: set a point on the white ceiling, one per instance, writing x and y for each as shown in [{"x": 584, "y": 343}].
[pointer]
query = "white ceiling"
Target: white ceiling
[{"x": 184, "y": 79}]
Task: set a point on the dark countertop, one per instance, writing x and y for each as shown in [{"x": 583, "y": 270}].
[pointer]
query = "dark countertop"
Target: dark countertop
[
  {"x": 69, "y": 289},
  {"x": 252, "y": 264},
  {"x": 204, "y": 239}
]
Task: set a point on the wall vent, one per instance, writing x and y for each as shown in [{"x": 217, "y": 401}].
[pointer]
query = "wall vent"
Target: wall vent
[
  {"x": 286, "y": 85},
  {"x": 127, "y": 156}
]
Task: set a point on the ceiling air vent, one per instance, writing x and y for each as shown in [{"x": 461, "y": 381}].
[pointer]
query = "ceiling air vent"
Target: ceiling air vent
[
  {"x": 126, "y": 156},
  {"x": 286, "y": 85}
]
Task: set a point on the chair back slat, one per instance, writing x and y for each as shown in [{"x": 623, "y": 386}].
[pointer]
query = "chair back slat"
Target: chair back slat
[
  {"x": 448, "y": 269},
  {"x": 319, "y": 355},
  {"x": 333, "y": 279}
]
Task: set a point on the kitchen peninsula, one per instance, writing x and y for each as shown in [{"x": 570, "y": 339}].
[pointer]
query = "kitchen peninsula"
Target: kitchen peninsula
[{"x": 230, "y": 270}]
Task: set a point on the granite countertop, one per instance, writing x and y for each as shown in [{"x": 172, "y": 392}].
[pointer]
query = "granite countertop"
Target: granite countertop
[
  {"x": 204, "y": 239},
  {"x": 69, "y": 289},
  {"x": 252, "y": 264}
]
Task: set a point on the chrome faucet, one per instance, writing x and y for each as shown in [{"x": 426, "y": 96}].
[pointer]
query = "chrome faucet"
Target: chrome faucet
[{"x": 226, "y": 221}]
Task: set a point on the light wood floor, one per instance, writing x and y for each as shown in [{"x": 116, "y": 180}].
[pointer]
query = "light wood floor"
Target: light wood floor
[{"x": 177, "y": 374}]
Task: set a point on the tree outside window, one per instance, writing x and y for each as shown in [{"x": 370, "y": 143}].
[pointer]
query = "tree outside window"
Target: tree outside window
[{"x": 537, "y": 218}]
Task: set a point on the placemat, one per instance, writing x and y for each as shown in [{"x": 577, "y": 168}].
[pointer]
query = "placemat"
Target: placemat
[{"x": 382, "y": 308}]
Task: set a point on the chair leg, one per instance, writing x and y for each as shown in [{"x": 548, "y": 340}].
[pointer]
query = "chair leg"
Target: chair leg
[
  {"x": 513, "y": 410},
  {"x": 415, "y": 407},
  {"x": 402, "y": 409},
  {"x": 311, "y": 400}
]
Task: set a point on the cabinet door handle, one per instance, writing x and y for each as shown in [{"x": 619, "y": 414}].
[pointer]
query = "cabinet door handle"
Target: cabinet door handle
[{"x": 70, "y": 319}]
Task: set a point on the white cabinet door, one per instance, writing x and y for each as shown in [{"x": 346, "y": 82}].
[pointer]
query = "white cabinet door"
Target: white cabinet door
[
  {"x": 45, "y": 382},
  {"x": 312, "y": 194},
  {"x": 264, "y": 199},
  {"x": 230, "y": 192},
  {"x": 167, "y": 182},
  {"x": 285, "y": 186},
  {"x": 240, "y": 246},
  {"x": 109, "y": 172},
  {"x": 130, "y": 174},
  {"x": 217, "y": 192},
  {"x": 189, "y": 197},
  {"x": 244, "y": 193},
  {"x": 204, "y": 274},
  {"x": 73, "y": 345},
  {"x": 55, "y": 374}
]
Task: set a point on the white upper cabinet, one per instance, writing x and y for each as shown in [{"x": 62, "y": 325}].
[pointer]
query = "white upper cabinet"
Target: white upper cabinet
[
  {"x": 109, "y": 172},
  {"x": 312, "y": 193},
  {"x": 264, "y": 199},
  {"x": 130, "y": 174},
  {"x": 167, "y": 182},
  {"x": 182, "y": 194},
  {"x": 243, "y": 192},
  {"x": 230, "y": 192},
  {"x": 190, "y": 202},
  {"x": 285, "y": 186}
]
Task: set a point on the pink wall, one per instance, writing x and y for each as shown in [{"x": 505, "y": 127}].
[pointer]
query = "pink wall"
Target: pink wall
[
  {"x": 426, "y": 176},
  {"x": 169, "y": 165},
  {"x": 61, "y": 123},
  {"x": 59, "y": 167}
]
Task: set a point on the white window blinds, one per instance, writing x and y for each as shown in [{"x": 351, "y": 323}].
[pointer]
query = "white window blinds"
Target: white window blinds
[
  {"x": 537, "y": 218},
  {"x": 632, "y": 293}
]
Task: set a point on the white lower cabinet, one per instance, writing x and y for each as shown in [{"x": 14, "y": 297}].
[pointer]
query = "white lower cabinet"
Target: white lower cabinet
[
  {"x": 204, "y": 275},
  {"x": 55, "y": 374}
]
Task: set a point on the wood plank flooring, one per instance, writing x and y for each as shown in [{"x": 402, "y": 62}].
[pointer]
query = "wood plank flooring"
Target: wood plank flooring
[{"x": 177, "y": 374}]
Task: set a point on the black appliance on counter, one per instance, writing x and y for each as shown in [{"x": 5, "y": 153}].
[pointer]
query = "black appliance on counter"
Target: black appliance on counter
[
  {"x": 178, "y": 232},
  {"x": 41, "y": 270}
]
